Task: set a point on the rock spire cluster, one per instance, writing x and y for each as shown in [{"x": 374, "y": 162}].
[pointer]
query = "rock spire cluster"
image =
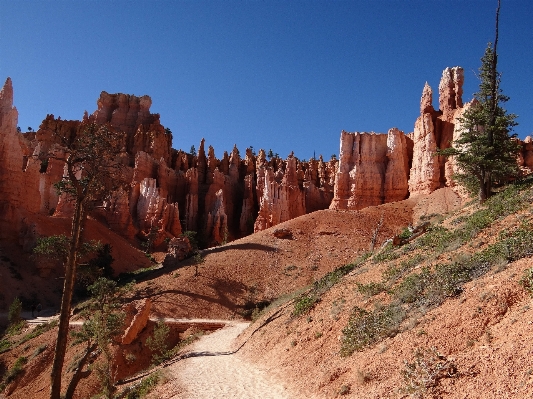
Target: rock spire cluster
[{"x": 164, "y": 192}]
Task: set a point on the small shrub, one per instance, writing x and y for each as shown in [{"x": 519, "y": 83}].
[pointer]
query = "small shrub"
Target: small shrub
[
  {"x": 15, "y": 329},
  {"x": 425, "y": 371},
  {"x": 15, "y": 311},
  {"x": 5, "y": 345},
  {"x": 436, "y": 237},
  {"x": 393, "y": 273},
  {"x": 405, "y": 234},
  {"x": 344, "y": 390},
  {"x": 40, "y": 349},
  {"x": 158, "y": 343},
  {"x": 412, "y": 287},
  {"x": 526, "y": 281},
  {"x": 13, "y": 372},
  {"x": 146, "y": 385},
  {"x": 306, "y": 301},
  {"x": 371, "y": 289},
  {"x": 366, "y": 328},
  {"x": 387, "y": 254},
  {"x": 38, "y": 330}
]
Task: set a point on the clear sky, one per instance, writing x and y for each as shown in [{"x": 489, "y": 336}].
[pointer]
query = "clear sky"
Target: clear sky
[{"x": 286, "y": 75}]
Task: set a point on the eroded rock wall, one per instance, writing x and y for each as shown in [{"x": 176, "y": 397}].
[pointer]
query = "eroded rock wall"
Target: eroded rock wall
[{"x": 373, "y": 169}]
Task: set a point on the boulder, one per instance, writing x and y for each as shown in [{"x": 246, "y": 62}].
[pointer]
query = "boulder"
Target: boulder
[{"x": 137, "y": 316}]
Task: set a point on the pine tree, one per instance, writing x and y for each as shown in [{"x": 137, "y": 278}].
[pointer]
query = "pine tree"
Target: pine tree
[
  {"x": 486, "y": 151},
  {"x": 91, "y": 168}
]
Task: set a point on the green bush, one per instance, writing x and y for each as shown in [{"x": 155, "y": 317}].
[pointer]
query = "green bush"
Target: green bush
[
  {"x": 158, "y": 343},
  {"x": 5, "y": 345},
  {"x": 146, "y": 385},
  {"x": 387, "y": 254},
  {"x": 13, "y": 372},
  {"x": 393, "y": 273},
  {"x": 38, "y": 330},
  {"x": 371, "y": 289},
  {"x": 366, "y": 328},
  {"x": 412, "y": 287},
  {"x": 526, "y": 281},
  {"x": 15, "y": 311}
]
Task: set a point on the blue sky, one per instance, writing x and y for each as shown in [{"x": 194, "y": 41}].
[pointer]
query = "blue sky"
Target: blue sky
[{"x": 286, "y": 75}]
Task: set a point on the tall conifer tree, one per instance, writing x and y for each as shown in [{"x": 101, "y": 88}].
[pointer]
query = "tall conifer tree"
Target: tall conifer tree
[{"x": 486, "y": 151}]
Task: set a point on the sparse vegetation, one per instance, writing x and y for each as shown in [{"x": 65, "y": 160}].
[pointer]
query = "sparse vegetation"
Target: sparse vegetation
[
  {"x": 425, "y": 371},
  {"x": 371, "y": 289},
  {"x": 13, "y": 372},
  {"x": 368, "y": 327},
  {"x": 305, "y": 302},
  {"x": 146, "y": 385},
  {"x": 158, "y": 343},
  {"x": 38, "y": 330},
  {"x": 386, "y": 254}
]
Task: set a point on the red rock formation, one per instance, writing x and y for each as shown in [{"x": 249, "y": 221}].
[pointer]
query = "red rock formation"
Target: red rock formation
[
  {"x": 179, "y": 248},
  {"x": 223, "y": 198},
  {"x": 280, "y": 201},
  {"x": 396, "y": 186},
  {"x": 436, "y": 130},
  {"x": 153, "y": 211},
  {"x": 528, "y": 152},
  {"x": 137, "y": 315},
  {"x": 373, "y": 169},
  {"x": 217, "y": 222}
]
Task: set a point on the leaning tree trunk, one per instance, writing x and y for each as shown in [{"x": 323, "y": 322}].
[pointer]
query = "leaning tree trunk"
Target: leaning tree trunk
[{"x": 64, "y": 317}]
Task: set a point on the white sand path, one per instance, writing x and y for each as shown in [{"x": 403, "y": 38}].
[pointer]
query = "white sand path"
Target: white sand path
[{"x": 214, "y": 371}]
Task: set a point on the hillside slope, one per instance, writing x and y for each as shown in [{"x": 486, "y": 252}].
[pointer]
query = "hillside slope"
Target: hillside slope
[{"x": 444, "y": 316}]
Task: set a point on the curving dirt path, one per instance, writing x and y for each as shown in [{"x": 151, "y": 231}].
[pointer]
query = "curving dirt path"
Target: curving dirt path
[{"x": 213, "y": 370}]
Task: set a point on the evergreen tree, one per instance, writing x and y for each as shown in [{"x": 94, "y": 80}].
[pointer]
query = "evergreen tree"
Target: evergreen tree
[
  {"x": 486, "y": 151},
  {"x": 91, "y": 167}
]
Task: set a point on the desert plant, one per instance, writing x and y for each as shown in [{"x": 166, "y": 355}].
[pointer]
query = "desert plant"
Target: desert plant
[
  {"x": 371, "y": 289},
  {"x": 306, "y": 301},
  {"x": 368, "y": 327},
  {"x": 13, "y": 372},
  {"x": 143, "y": 388},
  {"x": 158, "y": 343},
  {"x": 425, "y": 371},
  {"x": 15, "y": 311}
]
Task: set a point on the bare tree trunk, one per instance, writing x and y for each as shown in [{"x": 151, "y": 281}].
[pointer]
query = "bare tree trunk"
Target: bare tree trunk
[{"x": 64, "y": 317}]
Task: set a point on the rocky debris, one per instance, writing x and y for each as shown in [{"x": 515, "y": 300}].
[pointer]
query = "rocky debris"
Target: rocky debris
[
  {"x": 282, "y": 233},
  {"x": 179, "y": 248},
  {"x": 137, "y": 315}
]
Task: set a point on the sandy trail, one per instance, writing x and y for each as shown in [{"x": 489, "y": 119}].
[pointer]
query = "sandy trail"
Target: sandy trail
[{"x": 215, "y": 371}]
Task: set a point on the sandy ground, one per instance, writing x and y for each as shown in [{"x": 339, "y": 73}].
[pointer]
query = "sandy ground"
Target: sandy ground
[{"x": 216, "y": 370}]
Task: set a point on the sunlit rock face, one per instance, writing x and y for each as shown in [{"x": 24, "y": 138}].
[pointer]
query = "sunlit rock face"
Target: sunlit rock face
[
  {"x": 436, "y": 129},
  {"x": 373, "y": 169},
  {"x": 162, "y": 192}
]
